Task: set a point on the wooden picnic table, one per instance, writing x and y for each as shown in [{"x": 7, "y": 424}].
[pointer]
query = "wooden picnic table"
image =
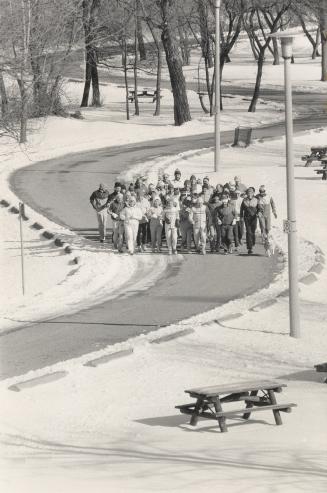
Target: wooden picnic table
[
  {"x": 317, "y": 154},
  {"x": 144, "y": 93},
  {"x": 322, "y": 170},
  {"x": 256, "y": 395}
]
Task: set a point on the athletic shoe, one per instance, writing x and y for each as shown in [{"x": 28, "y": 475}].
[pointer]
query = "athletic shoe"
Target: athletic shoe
[
  {"x": 250, "y": 251},
  {"x": 230, "y": 250},
  {"x": 175, "y": 252},
  {"x": 169, "y": 252},
  {"x": 225, "y": 252}
]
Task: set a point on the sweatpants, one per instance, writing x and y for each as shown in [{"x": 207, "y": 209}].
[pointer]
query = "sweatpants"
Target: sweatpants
[
  {"x": 250, "y": 226},
  {"x": 226, "y": 235},
  {"x": 102, "y": 223},
  {"x": 238, "y": 230},
  {"x": 131, "y": 228},
  {"x": 200, "y": 238},
  {"x": 186, "y": 232},
  {"x": 142, "y": 234},
  {"x": 156, "y": 231},
  {"x": 265, "y": 224},
  {"x": 118, "y": 234},
  {"x": 171, "y": 237}
]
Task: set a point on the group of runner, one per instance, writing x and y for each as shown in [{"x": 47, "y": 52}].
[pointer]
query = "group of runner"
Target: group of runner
[{"x": 193, "y": 209}]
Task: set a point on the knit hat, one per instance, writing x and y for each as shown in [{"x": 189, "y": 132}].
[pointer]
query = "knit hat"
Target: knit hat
[
  {"x": 177, "y": 172},
  {"x": 251, "y": 188},
  {"x": 262, "y": 188},
  {"x": 103, "y": 186},
  {"x": 117, "y": 184}
]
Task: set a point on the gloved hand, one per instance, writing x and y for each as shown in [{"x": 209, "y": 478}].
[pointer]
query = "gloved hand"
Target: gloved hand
[
  {"x": 219, "y": 222},
  {"x": 167, "y": 220},
  {"x": 114, "y": 215},
  {"x": 234, "y": 222}
]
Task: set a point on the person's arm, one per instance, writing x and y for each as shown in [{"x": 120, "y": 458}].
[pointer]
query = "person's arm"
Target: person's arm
[
  {"x": 92, "y": 201},
  {"x": 242, "y": 210},
  {"x": 273, "y": 207}
]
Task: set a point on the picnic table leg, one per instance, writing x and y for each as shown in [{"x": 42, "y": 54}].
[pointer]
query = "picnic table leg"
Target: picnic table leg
[
  {"x": 272, "y": 398},
  {"x": 221, "y": 420},
  {"x": 250, "y": 404},
  {"x": 197, "y": 409}
]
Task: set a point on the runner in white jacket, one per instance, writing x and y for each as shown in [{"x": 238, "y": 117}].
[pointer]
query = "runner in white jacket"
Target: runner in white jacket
[{"x": 131, "y": 215}]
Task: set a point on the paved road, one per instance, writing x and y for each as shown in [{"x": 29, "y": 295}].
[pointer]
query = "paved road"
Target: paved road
[{"x": 60, "y": 189}]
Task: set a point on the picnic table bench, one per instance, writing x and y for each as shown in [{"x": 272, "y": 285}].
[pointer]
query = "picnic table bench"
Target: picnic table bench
[
  {"x": 256, "y": 395},
  {"x": 317, "y": 154},
  {"x": 322, "y": 367},
  {"x": 323, "y": 169},
  {"x": 143, "y": 94}
]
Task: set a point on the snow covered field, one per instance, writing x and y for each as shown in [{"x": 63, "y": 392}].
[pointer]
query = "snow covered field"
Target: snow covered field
[
  {"x": 114, "y": 427},
  {"x": 103, "y": 428}
]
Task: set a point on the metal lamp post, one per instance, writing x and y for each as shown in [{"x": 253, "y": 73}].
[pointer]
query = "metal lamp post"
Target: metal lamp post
[
  {"x": 290, "y": 224},
  {"x": 217, "y": 84}
]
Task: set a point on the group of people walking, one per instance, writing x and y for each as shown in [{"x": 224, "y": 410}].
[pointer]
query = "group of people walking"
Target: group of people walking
[{"x": 210, "y": 217}]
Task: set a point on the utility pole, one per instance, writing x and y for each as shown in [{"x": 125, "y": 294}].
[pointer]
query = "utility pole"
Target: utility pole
[
  {"x": 217, "y": 85},
  {"x": 290, "y": 224}
]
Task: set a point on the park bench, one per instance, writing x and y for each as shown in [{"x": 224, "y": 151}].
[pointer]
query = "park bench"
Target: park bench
[
  {"x": 323, "y": 169},
  {"x": 317, "y": 154},
  {"x": 255, "y": 396},
  {"x": 144, "y": 94},
  {"x": 322, "y": 367}
]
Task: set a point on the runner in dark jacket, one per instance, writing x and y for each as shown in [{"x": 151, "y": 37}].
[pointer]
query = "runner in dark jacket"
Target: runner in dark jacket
[{"x": 249, "y": 213}]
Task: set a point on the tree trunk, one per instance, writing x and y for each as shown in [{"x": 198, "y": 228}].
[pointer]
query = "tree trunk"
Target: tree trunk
[
  {"x": 139, "y": 30},
  {"x": 158, "y": 84},
  {"x": 3, "y": 95},
  {"x": 136, "y": 99},
  {"x": 275, "y": 52},
  {"x": 174, "y": 63},
  {"x": 124, "y": 59},
  {"x": 315, "y": 51},
  {"x": 90, "y": 8},
  {"x": 256, "y": 93},
  {"x": 184, "y": 44},
  {"x": 323, "y": 34},
  {"x": 87, "y": 83},
  {"x": 205, "y": 38}
]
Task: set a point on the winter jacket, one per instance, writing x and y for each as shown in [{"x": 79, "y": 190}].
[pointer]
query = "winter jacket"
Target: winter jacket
[
  {"x": 171, "y": 217},
  {"x": 144, "y": 205},
  {"x": 131, "y": 214},
  {"x": 185, "y": 215},
  {"x": 249, "y": 208},
  {"x": 99, "y": 200},
  {"x": 237, "y": 204},
  {"x": 200, "y": 216},
  {"x": 226, "y": 214},
  {"x": 115, "y": 209},
  {"x": 155, "y": 213},
  {"x": 265, "y": 203}
]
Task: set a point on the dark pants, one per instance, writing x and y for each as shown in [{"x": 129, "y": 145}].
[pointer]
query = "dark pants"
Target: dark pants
[
  {"x": 238, "y": 231},
  {"x": 226, "y": 235},
  {"x": 141, "y": 234},
  {"x": 250, "y": 226}
]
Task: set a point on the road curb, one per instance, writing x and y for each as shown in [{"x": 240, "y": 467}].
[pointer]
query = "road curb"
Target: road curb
[
  {"x": 170, "y": 337},
  {"x": 231, "y": 316},
  {"x": 263, "y": 304},
  {"x": 308, "y": 279},
  {"x": 108, "y": 357},
  {"x": 33, "y": 382}
]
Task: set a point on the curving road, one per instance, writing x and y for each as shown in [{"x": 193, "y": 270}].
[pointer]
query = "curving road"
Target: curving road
[{"x": 60, "y": 189}]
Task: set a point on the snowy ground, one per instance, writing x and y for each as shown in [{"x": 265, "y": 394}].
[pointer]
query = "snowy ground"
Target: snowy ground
[{"x": 115, "y": 427}]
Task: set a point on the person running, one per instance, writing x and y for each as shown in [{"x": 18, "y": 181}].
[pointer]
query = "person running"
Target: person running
[
  {"x": 99, "y": 200},
  {"x": 171, "y": 218},
  {"x": 144, "y": 205},
  {"x": 155, "y": 215},
  {"x": 177, "y": 182},
  {"x": 226, "y": 219},
  {"x": 266, "y": 204},
  {"x": 200, "y": 216},
  {"x": 215, "y": 228},
  {"x": 114, "y": 209},
  {"x": 186, "y": 225},
  {"x": 248, "y": 212},
  {"x": 131, "y": 215},
  {"x": 239, "y": 185},
  {"x": 238, "y": 228}
]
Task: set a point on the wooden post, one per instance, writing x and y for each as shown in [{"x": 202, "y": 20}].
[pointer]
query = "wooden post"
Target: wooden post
[
  {"x": 253, "y": 393},
  {"x": 197, "y": 409},
  {"x": 21, "y": 215},
  {"x": 272, "y": 398},
  {"x": 221, "y": 420}
]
